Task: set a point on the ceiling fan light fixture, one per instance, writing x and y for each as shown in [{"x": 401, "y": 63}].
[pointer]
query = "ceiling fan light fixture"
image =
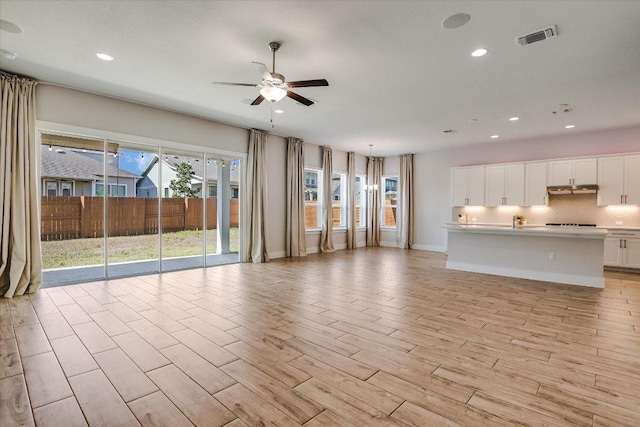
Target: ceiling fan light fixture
[{"x": 273, "y": 94}]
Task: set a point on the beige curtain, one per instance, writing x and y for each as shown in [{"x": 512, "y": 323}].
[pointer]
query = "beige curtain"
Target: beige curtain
[
  {"x": 20, "y": 256},
  {"x": 374, "y": 176},
  {"x": 255, "y": 242},
  {"x": 326, "y": 236},
  {"x": 296, "y": 245},
  {"x": 351, "y": 201},
  {"x": 404, "y": 226}
]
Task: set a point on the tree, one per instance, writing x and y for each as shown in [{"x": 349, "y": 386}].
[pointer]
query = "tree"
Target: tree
[{"x": 181, "y": 186}]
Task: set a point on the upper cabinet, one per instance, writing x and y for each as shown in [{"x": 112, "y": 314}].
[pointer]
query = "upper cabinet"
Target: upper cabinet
[
  {"x": 467, "y": 186},
  {"x": 535, "y": 181},
  {"x": 619, "y": 180},
  {"x": 573, "y": 171},
  {"x": 504, "y": 185}
]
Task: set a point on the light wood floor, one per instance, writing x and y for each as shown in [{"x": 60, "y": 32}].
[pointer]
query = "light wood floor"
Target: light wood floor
[{"x": 363, "y": 338}]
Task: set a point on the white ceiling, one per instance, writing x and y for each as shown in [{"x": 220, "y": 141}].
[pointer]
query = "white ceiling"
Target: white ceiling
[{"x": 397, "y": 77}]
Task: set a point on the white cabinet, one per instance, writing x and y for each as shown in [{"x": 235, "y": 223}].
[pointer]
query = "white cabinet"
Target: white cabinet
[
  {"x": 535, "y": 182},
  {"x": 619, "y": 180},
  {"x": 467, "y": 186},
  {"x": 504, "y": 185},
  {"x": 622, "y": 249},
  {"x": 573, "y": 171}
]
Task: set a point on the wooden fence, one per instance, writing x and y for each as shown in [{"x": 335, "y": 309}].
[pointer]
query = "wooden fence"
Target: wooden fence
[
  {"x": 78, "y": 217},
  {"x": 311, "y": 216}
]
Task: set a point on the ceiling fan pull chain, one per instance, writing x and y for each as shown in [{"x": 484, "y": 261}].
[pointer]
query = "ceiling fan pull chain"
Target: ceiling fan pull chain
[{"x": 272, "y": 125}]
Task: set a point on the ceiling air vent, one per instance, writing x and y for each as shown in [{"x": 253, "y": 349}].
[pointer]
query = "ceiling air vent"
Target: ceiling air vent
[{"x": 537, "y": 36}]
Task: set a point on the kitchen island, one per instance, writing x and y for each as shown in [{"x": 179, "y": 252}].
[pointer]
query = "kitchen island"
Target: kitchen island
[{"x": 570, "y": 255}]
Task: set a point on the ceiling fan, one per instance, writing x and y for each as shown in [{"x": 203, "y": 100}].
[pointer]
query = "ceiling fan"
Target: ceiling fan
[{"x": 273, "y": 85}]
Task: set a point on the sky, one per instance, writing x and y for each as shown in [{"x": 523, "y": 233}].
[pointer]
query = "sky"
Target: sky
[{"x": 134, "y": 161}]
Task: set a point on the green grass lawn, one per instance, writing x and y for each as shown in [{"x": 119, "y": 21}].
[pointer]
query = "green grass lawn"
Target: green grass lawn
[{"x": 81, "y": 252}]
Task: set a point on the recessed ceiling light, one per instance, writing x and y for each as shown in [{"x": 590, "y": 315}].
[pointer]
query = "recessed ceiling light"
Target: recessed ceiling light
[
  {"x": 513, "y": 119},
  {"x": 479, "y": 52},
  {"x": 569, "y": 126},
  {"x": 104, "y": 56},
  {"x": 455, "y": 21},
  {"x": 473, "y": 120},
  {"x": 279, "y": 111},
  {"x": 495, "y": 136}
]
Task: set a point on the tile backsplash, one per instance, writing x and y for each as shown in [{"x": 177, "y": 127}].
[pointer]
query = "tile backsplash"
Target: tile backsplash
[{"x": 579, "y": 208}]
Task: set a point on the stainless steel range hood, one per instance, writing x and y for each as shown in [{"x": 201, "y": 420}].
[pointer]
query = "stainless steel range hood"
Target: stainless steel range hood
[{"x": 573, "y": 189}]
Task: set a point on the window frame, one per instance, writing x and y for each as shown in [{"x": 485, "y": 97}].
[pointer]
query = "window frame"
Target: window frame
[
  {"x": 343, "y": 199},
  {"x": 318, "y": 202},
  {"x": 361, "y": 202},
  {"x": 383, "y": 196},
  {"x": 109, "y": 189}
]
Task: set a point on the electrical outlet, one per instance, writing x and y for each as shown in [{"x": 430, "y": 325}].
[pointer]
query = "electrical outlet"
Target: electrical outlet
[
  {"x": 552, "y": 255},
  {"x": 619, "y": 222}
]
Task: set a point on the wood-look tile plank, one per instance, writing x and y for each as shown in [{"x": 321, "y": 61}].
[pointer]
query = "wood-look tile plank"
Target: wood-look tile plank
[
  {"x": 279, "y": 394},
  {"x": 198, "y": 405},
  {"x": 414, "y": 415},
  {"x": 375, "y": 397},
  {"x": 140, "y": 351},
  {"x": 73, "y": 356},
  {"x": 284, "y": 372},
  {"x": 435, "y": 402},
  {"x": 100, "y": 402},
  {"x": 45, "y": 380},
  {"x": 31, "y": 340},
  {"x": 347, "y": 407},
  {"x": 205, "y": 348},
  {"x": 65, "y": 412},
  {"x": 15, "y": 409},
  {"x": 267, "y": 343},
  {"x": 6, "y": 324},
  {"x": 252, "y": 409},
  {"x": 208, "y": 331},
  {"x": 22, "y": 312},
  {"x": 93, "y": 337},
  {"x": 156, "y": 410},
  {"x": 349, "y": 365},
  {"x": 152, "y": 334},
  {"x": 122, "y": 311},
  {"x": 9, "y": 358},
  {"x": 163, "y": 321},
  {"x": 89, "y": 304},
  {"x": 74, "y": 314},
  {"x": 213, "y": 319},
  {"x": 110, "y": 323},
  {"x": 55, "y": 325},
  {"x": 207, "y": 375},
  {"x": 327, "y": 418},
  {"x": 125, "y": 375}
]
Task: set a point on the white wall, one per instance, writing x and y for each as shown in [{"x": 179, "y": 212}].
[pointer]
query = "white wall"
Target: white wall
[{"x": 432, "y": 170}]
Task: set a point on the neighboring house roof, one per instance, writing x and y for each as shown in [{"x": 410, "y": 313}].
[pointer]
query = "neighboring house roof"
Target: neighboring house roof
[
  {"x": 197, "y": 166},
  {"x": 70, "y": 164}
]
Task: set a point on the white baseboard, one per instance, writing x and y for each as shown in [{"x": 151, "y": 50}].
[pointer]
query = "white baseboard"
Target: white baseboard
[
  {"x": 430, "y": 248},
  {"x": 569, "y": 279}
]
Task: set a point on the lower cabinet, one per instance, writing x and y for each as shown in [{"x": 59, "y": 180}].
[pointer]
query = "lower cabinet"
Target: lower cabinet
[{"x": 622, "y": 249}]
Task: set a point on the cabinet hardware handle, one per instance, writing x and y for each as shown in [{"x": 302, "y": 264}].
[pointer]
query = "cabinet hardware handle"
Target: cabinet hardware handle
[
  {"x": 621, "y": 198},
  {"x": 625, "y": 198},
  {"x": 625, "y": 243},
  {"x": 621, "y": 243},
  {"x": 623, "y": 234}
]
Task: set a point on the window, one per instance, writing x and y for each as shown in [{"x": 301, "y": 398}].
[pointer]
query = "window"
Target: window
[
  {"x": 66, "y": 188},
  {"x": 52, "y": 189},
  {"x": 338, "y": 198},
  {"x": 361, "y": 201},
  {"x": 115, "y": 190},
  {"x": 390, "y": 202},
  {"x": 213, "y": 191},
  {"x": 312, "y": 192},
  {"x": 234, "y": 193},
  {"x": 166, "y": 192}
]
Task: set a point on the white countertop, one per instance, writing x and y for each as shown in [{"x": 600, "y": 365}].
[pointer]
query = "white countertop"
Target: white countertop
[
  {"x": 530, "y": 230},
  {"x": 600, "y": 227}
]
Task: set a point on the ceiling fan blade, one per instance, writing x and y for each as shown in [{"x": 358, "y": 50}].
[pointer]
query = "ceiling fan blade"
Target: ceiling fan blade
[
  {"x": 235, "y": 84},
  {"x": 258, "y": 100},
  {"x": 300, "y": 99},
  {"x": 263, "y": 70},
  {"x": 308, "y": 83}
]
